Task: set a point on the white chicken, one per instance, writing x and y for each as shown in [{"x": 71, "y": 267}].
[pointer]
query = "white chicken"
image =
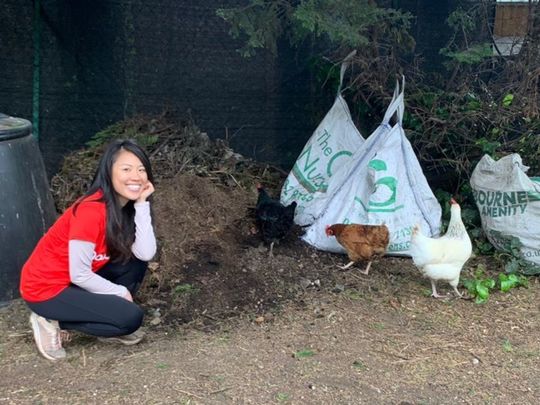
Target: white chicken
[{"x": 444, "y": 257}]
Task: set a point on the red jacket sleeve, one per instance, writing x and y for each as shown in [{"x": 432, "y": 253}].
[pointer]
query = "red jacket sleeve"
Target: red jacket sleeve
[{"x": 88, "y": 222}]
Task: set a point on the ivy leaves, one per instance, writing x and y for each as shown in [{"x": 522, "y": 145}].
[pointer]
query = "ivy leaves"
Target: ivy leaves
[{"x": 481, "y": 286}]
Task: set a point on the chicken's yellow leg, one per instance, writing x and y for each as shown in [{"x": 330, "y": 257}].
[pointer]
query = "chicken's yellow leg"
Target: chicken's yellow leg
[
  {"x": 434, "y": 291},
  {"x": 346, "y": 266},
  {"x": 457, "y": 292},
  {"x": 366, "y": 271}
]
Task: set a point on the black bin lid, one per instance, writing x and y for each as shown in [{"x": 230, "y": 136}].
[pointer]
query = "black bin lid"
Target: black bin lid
[{"x": 13, "y": 127}]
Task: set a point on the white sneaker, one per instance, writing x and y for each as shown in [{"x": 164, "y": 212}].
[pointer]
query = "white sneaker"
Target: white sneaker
[
  {"x": 131, "y": 339},
  {"x": 47, "y": 337}
]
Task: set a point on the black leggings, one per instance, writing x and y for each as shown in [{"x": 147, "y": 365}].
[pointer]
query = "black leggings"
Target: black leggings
[{"x": 98, "y": 314}]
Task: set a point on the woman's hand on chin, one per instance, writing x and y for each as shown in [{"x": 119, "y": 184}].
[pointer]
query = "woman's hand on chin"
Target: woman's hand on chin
[{"x": 148, "y": 189}]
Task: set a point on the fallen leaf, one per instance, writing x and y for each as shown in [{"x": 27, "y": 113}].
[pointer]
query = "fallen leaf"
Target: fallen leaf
[{"x": 394, "y": 303}]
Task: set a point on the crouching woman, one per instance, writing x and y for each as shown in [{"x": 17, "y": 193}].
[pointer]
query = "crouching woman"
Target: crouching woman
[{"x": 85, "y": 270}]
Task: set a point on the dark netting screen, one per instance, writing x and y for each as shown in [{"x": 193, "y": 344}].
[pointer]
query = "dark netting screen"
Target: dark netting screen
[{"x": 101, "y": 61}]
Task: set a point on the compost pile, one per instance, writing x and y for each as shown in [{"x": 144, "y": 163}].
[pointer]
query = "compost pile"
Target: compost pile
[{"x": 211, "y": 263}]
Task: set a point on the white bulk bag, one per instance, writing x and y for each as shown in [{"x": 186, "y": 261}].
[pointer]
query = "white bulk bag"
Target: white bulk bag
[
  {"x": 509, "y": 204},
  {"x": 329, "y": 148},
  {"x": 382, "y": 184}
]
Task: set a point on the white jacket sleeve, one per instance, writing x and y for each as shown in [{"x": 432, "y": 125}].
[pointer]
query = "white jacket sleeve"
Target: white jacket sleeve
[
  {"x": 144, "y": 247},
  {"x": 80, "y": 270}
]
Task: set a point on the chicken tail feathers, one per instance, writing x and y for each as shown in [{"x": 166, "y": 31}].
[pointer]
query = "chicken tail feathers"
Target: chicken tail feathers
[
  {"x": 263, "y": 196},
  {"x": 291, "y": 208}
]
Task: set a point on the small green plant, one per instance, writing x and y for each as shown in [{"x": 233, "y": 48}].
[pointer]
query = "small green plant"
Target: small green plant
[
  {"x": 509, "y": 281},
  {"x": 481, "y": 286},
  {"x": 378, "y": 325},
  {"x": 303, "y": 353},
  {"x": 507, "y": 346},
  {"x": 282, "y": 396},
  {"x": 352, "y": 294},
  {"x": 359, "y": 365},
  {"x": 185, "y": 289},
  {"x": 508, "y": 100}
]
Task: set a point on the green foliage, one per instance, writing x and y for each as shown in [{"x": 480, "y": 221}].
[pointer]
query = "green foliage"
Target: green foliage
[
  {"x": 462, "y": 48},
  {"x": 507, "y": 346},
  {"x": 282, "y": 396},
  {"x": 443, "y": 197},
  {"x": 488, "y": 146},
  {"x": 481, "y": 245},
  {"x": 185, "y": 289},
  {"x": 344, "y": 22},
  {"x": 301, "y": 354},
  {"x": 509, "y": 281},
  {"x": 359, "y": 365},
  {"x": 325, "y": 72},
  {"x": 481, "y": 285},
  {"x": 261, "y": 23},
  {"x": 461, "y": 20},
  {"x": 528, "y": 145},
  {"x": 470, "y": 56},
  {"x": 121, "y": 131},
  {"x": 341, "y": 23},
  {"x": 512, "y": 257},
  {"x": 507, "y": 100},
  {"x": 352, "y": 294}
]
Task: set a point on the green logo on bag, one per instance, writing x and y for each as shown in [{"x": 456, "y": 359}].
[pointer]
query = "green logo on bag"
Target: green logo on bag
[
  {"x": 331, "y": 162},
  {"x": 389, "y": 183},
  {"x": 307, "y": 170}
]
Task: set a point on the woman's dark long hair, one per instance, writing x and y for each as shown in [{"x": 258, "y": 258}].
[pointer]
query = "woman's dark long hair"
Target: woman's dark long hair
[{"x": 120, "y": 232}]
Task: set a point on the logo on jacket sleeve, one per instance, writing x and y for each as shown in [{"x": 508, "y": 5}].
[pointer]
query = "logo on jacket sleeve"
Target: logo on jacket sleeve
[{"x": 99, "y": 257}]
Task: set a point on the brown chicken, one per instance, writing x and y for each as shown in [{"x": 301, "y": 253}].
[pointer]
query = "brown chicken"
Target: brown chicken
[{"x": 362, "y": 242}]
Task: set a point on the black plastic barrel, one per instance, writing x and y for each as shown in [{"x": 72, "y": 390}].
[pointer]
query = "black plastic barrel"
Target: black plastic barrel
[{"x": 26, "y": 205}]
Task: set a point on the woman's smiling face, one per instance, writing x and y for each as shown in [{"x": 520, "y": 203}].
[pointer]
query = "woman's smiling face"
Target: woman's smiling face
[{"x": 128, "y": 176}]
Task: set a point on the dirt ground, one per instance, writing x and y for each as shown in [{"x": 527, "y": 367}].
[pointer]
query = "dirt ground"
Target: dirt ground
[
  {"x": 227, "y": 323},
  {"x": 354, "y": 340}
]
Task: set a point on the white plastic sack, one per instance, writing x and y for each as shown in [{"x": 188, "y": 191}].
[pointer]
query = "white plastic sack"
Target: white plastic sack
[
  {"x": 328, "y": 149},
  {"x": 509, "y": 204},
  {"x": 383, "y": 183}
]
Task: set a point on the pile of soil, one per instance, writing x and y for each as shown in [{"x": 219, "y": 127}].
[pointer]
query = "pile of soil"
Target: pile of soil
[{"x": 211, "y": 262}]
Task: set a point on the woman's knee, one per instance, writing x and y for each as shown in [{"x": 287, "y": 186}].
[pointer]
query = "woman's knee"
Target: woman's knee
[{"x": 133, "y": 319}]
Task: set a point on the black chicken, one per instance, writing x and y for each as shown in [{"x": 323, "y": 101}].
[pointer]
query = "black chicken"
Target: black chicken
[{"x": 273, "y": 218}]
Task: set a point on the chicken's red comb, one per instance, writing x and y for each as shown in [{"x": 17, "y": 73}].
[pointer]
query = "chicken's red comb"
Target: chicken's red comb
[{"x": 452, "y": 201}]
